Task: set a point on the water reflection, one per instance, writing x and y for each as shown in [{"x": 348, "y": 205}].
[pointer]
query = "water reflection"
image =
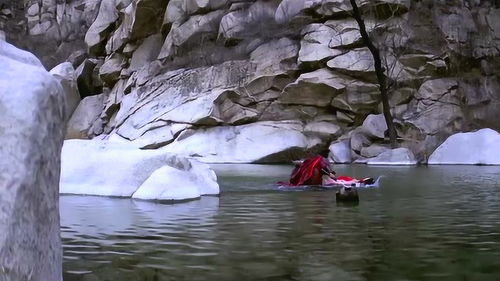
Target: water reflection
[{"x": 423, "y": 223}]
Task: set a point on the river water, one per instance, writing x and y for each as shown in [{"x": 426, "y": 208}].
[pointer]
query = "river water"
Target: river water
[{"x": 422, "y": 223}]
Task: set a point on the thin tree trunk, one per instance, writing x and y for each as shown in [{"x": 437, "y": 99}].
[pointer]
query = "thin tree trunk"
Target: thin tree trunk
[{"x": 379, "y": 71}]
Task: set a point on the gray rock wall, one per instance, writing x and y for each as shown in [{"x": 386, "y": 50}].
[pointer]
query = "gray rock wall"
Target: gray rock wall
[
  {"x": 32, "y": 127},
  {"x": 53, "y": 30},
  {"x": 165, "y": 67}
]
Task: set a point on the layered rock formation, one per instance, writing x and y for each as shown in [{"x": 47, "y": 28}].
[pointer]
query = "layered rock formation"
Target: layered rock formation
[
  {"x": 31, "y": 133},
  {"x": 215, "y": 78}
]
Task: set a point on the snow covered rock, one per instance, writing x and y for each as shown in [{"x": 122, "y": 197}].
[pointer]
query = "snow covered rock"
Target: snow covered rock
[
  {"x": 92, "y": 167},
  {"x": 473, "y": 148},
  {"x": 181, "y": 179}
]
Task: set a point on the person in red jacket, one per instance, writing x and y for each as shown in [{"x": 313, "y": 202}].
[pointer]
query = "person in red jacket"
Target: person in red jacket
[
  {"x": 316, "y": 171},
  {"x": 310, "y": 172}
]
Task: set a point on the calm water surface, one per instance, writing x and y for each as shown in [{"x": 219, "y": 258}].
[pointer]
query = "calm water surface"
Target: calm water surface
[{"x": 423, "y": 223}]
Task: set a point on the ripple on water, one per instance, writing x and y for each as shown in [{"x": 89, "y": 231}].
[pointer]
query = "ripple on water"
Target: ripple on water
[{"x": 423, "y": 223}]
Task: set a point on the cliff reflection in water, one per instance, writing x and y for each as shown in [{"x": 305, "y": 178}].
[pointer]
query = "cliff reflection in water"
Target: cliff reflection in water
[{"x": 423, "y": 223}]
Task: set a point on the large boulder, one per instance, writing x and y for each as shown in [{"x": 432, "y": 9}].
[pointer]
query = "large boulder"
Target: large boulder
[
  {"x": 32, "y": 126},
  {"x": 398, "y": 156},
  {"x": 84, "y": 117},
  {"x": 340, "y": 151},
  {"x": 374, "y": 126},
  {"x": 258, "y": 142},
  {"x": 472, "y": 148},
  {"x": 142, "y": 174}
]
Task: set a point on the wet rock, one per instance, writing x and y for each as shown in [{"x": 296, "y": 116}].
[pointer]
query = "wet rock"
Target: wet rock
[
  {"x": 32, "y": 126},
  {"x": 347, "y": 194},
  {"x": 471, "y": 148}
]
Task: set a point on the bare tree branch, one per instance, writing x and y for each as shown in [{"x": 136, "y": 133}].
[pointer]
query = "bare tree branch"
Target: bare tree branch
[{"x": 379, "y": 71}]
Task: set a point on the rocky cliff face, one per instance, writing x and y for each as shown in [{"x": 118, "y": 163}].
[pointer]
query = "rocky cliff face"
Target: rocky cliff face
[{"x": 258, "y": 81}]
